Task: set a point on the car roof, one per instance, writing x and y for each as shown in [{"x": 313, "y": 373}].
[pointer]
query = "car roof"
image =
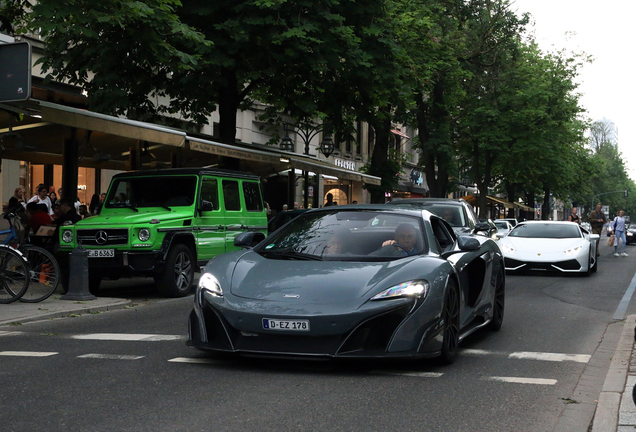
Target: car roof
[
  {"x": 372, "y": 207},
  {"x": 398, "y": 201}
]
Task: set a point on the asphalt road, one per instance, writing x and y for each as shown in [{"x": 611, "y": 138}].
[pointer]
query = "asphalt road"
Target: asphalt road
[{"x": 129, "y": 370}]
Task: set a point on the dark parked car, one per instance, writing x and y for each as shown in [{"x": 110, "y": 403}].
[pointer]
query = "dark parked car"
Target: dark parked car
[
  {"x": 348, "y": 282},
  {"x": 630, "y": 233},
  {"x": 457, "y": 212},
  {"x": 280, "y": 219}
]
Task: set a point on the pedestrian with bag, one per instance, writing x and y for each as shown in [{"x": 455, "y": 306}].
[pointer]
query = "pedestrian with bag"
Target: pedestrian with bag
[
  {"x": 597, "y": 219},
  {"x": 618, "y": 227}
]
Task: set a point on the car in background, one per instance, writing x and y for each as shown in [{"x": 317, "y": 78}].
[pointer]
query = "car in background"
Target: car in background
[
  {"x": 630, "y": 233},
  {"x": 512, "y": 221},
  {"x": 457, "y": 212},
  {"x": 550, "y": 246},
  {"x": 332, "y": 284},
  {"x": 281, "y": 218},
  {"x": 503, "y": 226}
]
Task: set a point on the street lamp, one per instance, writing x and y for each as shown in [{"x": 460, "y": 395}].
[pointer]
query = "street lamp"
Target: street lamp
[{"x": 307, "y": 132}]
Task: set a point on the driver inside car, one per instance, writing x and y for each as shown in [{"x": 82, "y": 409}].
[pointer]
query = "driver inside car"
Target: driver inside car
[{"x": 404, "y": 243}]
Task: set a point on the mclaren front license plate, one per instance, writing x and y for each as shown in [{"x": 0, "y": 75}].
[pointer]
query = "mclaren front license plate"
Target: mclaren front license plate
[
  {"x": 292, "y": 325},
  {"x": 101, "y": 253}
]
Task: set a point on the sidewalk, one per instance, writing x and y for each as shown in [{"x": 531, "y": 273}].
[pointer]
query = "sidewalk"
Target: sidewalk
[
  {"x": 616, "y": 410},
  {"x": 53, "y": 307}
]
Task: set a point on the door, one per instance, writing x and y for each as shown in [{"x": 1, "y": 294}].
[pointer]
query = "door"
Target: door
[{"x": 210, "y": 226}]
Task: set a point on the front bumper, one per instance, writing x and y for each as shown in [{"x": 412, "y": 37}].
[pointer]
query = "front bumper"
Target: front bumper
[
  {"x": 128, "y": 263},
  {"x": 390, "y": 332},
  {"x": 565, "y": 266}
]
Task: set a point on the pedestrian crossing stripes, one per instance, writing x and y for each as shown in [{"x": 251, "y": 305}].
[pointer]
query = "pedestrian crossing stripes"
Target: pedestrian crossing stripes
[
  {"x": 128, "y": 337},
  {"x": 519, "y": 380},
  {"x": 195, "y": 360},
  {"x": 10, "y": 333},
  {"x": 579, "y": 358},
  {"x": 111, "y": 356},
  {"x": 27, "y": 353}
]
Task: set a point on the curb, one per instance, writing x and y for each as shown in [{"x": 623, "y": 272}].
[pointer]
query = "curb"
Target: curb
[
  {"x": 80, "y": 309},
  {"x": 606, "y": 417}
]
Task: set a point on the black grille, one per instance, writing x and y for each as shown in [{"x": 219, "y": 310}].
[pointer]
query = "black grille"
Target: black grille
[{"x": 89, "y": 237}]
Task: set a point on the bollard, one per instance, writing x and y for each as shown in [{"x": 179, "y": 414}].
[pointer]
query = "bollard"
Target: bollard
[{"x": 78, "y": 276}]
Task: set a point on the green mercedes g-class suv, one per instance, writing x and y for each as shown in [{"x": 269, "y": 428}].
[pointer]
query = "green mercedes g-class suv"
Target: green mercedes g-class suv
[{"x": 167, "y": 223}]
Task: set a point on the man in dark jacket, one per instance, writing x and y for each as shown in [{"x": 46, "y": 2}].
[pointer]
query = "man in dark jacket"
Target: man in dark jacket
[{"x": 597, "y": 220}]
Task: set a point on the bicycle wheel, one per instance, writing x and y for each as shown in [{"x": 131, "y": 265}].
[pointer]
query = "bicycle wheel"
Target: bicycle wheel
[
  {"x": 14, "y": 279},
  {"x": 44, "y": 274}
]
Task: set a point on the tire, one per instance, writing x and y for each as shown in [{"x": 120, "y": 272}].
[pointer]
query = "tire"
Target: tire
[
  {"x": 499, "y": 303},
  {"x": 450, "y": 316},
  {"x": 44, "y": 274},
  {"x": 14, "y": 275},
  {"x": 178, "y": 274},
  {"x": 589, "y": 266}
]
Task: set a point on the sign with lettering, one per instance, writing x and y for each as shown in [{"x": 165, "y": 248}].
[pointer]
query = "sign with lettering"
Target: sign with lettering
[{"x": 342, "y": 163}]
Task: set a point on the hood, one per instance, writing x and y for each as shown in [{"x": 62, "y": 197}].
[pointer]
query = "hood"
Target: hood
[
  {"x": 317, "y": 282},
  {"x": 521, "y": 244},
  {"x": 130, "y": 217}
]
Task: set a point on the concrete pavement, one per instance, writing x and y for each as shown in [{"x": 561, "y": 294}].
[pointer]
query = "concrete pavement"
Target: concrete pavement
[
  {"x": 54, "y": 307},
  {"x": 616, "y": 410}
]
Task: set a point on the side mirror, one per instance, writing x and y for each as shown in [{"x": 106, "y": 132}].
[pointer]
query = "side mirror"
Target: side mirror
[
  {"x": 500, "y": 235},
  {"x": 482, "y": 226},
  {"x": 467, "y": 244},
  {"x": 248, "y": 239},
  {"x": 206, "y": 206}
]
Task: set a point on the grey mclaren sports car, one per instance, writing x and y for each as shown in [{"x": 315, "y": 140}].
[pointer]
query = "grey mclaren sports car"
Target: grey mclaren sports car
[{"x": 351, "y": 282}]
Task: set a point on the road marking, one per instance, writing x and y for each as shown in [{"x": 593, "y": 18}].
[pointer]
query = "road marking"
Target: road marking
[
  {"x": 556, "y": 357},
  {"x": 195, "y": 360},
  {"x": 27, "y": 353},
  {"x": 407, "y": 373},
  {"x": 111, "y": 356},
  {"x": 128, "y": 337},
  {"x": 518, "y": 380},
  {"x": 476, "y": 352},
  {"x": 622, "y": 306},
  {"x": 10, "y": 333}
]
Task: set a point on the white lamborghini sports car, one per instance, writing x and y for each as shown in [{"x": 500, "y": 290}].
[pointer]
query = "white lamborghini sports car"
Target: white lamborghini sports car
[{"x": 550, "y": 246}]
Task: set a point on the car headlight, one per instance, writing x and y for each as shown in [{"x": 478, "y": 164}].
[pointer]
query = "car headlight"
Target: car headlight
[
  {"x": 67, "y": 236},
  {"x": 629, "y": 234},
  {"x": 209, "y": 283},
  {"x": 144, "y": 234},
  {"x": 506, "y": 248},
  {"x": 573, "y": 250},
  {"x": 415, "y": 289}
]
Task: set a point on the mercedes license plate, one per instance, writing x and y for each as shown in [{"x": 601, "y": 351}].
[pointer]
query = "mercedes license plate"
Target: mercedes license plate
[
  {"x": 279, "y": 324},
  {"x": 101, "y": 253}
]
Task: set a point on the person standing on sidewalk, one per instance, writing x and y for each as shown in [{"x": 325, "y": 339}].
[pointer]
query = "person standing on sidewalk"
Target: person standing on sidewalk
[
  {"x": 597, "y": 220},
  {"x": 574, "y": 217},
  {"x": 618, "y": 226}
]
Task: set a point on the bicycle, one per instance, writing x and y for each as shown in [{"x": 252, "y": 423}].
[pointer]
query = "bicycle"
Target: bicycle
[
  {"x": 43, "y": 269},
  {"x": 14, "y": 271}
]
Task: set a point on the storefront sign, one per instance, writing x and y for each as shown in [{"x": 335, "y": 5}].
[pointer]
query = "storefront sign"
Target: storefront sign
[{"x": 351, "y": 165}]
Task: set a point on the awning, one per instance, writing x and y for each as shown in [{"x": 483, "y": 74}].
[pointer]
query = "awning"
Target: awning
[
  {"x": 92, "y": 121},
  {"x": 522, "y": 207},
  {"x": 499, "y": 201},
  {"x": 397, "y": 132},
  {"x": 472, "y": 200},
  {"x": 280, "y": 160}
]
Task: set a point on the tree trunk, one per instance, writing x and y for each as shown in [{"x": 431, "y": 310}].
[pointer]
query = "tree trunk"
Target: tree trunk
[
  {"x": 545, "y": 208},
  {"x": 380, "y": 157},
  {"x": 229, "y": 101},
  {"x": 436, "y": 169}
]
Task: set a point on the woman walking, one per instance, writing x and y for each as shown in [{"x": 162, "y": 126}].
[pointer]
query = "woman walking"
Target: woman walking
[{"x": 618, "y": 225}]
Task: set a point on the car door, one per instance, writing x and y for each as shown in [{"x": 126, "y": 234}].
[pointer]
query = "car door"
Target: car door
[
  {"x": 474, "y": 269},
  {"x": 210, "y": 226}
]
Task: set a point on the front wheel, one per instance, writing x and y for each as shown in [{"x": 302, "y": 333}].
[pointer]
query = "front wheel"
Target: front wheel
[
  {"x": 44, "y": 274},
  {"x": 450, "y": 316},
  {"x": 178, "y": 273}
]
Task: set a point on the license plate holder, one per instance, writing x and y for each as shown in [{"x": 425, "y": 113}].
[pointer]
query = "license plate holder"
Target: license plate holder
[
  {"x": 101, "y": 253},
  {"x": 285, "y": 324}
]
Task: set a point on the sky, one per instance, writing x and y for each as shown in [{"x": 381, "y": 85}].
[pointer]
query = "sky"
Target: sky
[{"x": 603, "y": 30}]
